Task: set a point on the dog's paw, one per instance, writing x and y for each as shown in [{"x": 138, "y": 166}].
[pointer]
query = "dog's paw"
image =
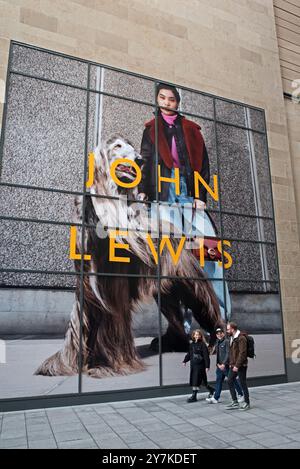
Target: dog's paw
[
  {"x": 124, "y": 369},
  {"x": 169, "y": 344}
]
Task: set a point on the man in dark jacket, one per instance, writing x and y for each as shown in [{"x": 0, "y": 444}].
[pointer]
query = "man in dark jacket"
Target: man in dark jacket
[
  {"x": 238, "y": 364},
  {"x": 222, "y": 370}
]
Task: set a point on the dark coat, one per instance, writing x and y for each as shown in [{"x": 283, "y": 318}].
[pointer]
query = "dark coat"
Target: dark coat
[
  {"x": 198, "y": 365},
  {"x": 194, "y": 152},
  {"x": 238, "y": 352},
  {"x": 222, "y": 351}
]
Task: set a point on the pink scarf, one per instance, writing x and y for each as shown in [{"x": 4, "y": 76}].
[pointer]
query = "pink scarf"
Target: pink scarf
[{"x": 170, "y": 120}]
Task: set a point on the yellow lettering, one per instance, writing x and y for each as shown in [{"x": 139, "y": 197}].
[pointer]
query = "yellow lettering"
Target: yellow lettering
[
  {"x": 226, "y": 254},
  {"x": 166, "y": 242},
  {"x": 73, "y": 254},
  {"x": 128, "y": 185},
  {"x": 90, "y": 180},
  {"x": 201, "y": 252},
  {"x": 175, "y": 180},
  {"x": 214, "y": 193},
  {"x": 113, "y": 246}
]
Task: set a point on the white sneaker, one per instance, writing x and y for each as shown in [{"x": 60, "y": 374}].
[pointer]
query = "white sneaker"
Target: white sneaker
[
  {"x": 214, "y": 401},
  {"x": 208, "y": 399},
  {"x": 241, "y": 399}
]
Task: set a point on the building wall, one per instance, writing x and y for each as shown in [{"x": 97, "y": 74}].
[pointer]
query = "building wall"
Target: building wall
[
  {"x": 287, "y": 19},
  {"x": 226, "y": 47}
]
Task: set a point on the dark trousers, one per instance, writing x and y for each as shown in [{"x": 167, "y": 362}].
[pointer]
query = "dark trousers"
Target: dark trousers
[
  {"x": 232, "y": 376},
  {"x": 220, "y": 376}
]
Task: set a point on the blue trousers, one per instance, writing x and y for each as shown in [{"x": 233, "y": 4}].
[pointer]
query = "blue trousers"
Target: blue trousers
[{"x": 220, "y": 376}]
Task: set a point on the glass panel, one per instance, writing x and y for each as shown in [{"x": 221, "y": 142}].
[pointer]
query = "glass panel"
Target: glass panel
[
  {"x": 44, "y": 135},
  {"x": 262, "y": 171},
  {"x": 186, "y": 313},
  {"x": 33, "y": 324},
  {"x": 235, "y": 170},
  {"x": 255, "y": 229},
  {"x": 254, "y": 287},
  {"x": 31, "y": 203},
  {"x": 122, "y": 336},
  {"x": 121, "y": 84},
  {"x": 16, "y": 279},
  {"x": 119, "y": 243},
  {"x": 124, "y": 118},
  {"x": 35, "y": 246},
  {"x": 256, "y": 119},
  {"x": 208, "y": 133},
  {"x": 196, "y": 103},
  {"x": 251, "y": 261},
  {"x": 230, "y": 113},
  {"x": 49, "y": 66},
  {"x": 259, "y": 313}
]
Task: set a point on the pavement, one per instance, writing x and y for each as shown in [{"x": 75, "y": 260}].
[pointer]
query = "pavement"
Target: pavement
[{"x": 272, "y": 422}]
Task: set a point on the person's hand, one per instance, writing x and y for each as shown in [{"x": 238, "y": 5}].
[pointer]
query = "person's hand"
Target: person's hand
[
  {"x": 141, "y": 196},
  {"x": 183, "y": 363},
  {"x": 235, "y": 369},
  {"x": 198, "y": 204},
  {"x": 222, "y": 367},
  {"x": 207, "y": 370}
]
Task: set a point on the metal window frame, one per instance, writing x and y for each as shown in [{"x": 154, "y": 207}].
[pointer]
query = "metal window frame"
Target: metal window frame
[{"x": 17, "y": 402}]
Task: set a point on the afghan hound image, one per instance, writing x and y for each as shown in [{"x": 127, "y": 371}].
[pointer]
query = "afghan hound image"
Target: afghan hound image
[{"x": 109, "y": 302}]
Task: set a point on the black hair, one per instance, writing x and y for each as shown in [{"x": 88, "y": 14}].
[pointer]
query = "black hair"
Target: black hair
[{"x": 162, "y": 86}]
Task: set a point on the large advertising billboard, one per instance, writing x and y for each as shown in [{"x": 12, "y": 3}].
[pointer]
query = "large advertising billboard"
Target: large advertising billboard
[{"x": 133, "y": 212}]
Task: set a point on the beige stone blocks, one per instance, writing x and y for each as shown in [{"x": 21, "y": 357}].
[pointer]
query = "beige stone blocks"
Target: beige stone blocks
[{"x": 38, "y": 20}]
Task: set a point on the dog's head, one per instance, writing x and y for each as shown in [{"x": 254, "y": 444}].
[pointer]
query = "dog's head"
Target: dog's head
[{"x": 113, "y": 149}]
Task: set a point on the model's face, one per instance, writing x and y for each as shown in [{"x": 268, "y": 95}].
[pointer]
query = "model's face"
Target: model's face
[
  {"x": 197, "y": 336},
  {"x": 220, "y": 335},
  {"x": 229, "y": 330},
  {"x": 167, "y": 100}
]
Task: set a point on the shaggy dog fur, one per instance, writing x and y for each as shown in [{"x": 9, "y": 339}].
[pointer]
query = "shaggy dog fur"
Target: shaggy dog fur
[{"x": 110, "y": 301}]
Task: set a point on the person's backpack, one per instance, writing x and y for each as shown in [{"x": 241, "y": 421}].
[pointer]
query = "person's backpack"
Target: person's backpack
[{"x": 250, "y": 345}]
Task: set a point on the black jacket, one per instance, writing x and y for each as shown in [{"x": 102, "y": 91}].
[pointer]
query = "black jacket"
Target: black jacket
[
  {"x": 222, "y": 351},
  {"x": 198, "y": 355},
  {"x": 149, "y": 171}
]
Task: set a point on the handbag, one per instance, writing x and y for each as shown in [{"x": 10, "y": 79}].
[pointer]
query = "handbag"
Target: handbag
[
  {"x": 210, "y": 245},
  {"x": 197, "y": 357}
]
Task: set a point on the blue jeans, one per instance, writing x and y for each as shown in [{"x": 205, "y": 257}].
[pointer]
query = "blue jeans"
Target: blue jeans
[
  {"x": 220, "y": 376},
  {"x": 195, "y": 223}
]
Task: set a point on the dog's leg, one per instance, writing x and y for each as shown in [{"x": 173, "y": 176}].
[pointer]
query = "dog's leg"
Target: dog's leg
[
  {"x": 175, "y": 338},
  {"x": 200, "y": 297},
  {"x": 110, "y": 348}
]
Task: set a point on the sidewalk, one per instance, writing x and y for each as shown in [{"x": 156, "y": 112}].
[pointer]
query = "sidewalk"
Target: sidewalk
[{"x": 273, "y": 422}]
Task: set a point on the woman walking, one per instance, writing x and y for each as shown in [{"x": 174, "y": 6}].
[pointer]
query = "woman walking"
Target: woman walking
[{"x": 199, "y": 357}]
